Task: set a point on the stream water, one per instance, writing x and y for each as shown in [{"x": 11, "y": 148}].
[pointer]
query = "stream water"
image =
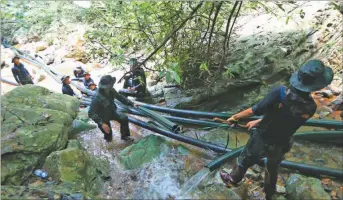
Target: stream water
[{"x": 176, "y": 174}]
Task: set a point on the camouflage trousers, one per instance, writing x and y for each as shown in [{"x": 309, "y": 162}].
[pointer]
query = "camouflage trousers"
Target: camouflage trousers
[{"x": 255, "y": 150}]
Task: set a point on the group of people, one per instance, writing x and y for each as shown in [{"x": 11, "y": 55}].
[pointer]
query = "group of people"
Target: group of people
[{"x": 284, "y": 110}]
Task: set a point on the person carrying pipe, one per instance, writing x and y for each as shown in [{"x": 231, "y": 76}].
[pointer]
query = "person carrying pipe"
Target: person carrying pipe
[
  {"x": 103, "y": 109},
  {"x": 66, "y": 89},
  {"x": 284, "y": 110},
  {"x": 20, "y": 73}
]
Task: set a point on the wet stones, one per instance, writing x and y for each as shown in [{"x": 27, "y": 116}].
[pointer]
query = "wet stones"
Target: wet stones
[
  {"x": 144, "y": 151},
  {"x": 301, "y": 187}
]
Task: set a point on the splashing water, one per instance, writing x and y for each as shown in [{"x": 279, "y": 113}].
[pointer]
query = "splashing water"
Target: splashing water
[
  {"x": 193, "y": 182},
  {"x": 161, "y": 177}
]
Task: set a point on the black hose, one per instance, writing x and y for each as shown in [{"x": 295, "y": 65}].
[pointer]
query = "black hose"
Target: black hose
[
  {"x": 190, "y": 113},
  {"x": 179, "y": 137}
]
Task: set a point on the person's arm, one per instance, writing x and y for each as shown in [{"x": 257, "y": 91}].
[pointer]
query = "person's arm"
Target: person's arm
[
  {"x": 92, "y": 112},
  {"x": 122, "y": 99},
  {"x": 259, "y": 109},
  {"x": 75, "y": 74},
  {"x": 15, "y": 75}
]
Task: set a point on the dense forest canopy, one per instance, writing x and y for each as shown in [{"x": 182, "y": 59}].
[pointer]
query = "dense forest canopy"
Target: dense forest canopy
[{"x": 185, "y": 41}]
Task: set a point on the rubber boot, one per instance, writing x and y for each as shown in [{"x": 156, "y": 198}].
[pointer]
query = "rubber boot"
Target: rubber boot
[{"x": 235, "y": 176}]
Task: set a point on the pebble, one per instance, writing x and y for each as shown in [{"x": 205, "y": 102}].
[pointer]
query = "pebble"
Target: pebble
[{"x": 280, "y": 189}]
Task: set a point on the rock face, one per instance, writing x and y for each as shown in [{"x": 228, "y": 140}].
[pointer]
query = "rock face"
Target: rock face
[
  {"x": 144, "y": 151},
  {"x": 74, "y": 165},
  {"x": 35, "y": 122},
  {"x": 301, "y": 187}
]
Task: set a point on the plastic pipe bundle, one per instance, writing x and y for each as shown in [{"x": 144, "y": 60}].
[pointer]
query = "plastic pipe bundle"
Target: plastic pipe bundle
[
  {"x": 190, "y": 113},
  {"x": 160, "y": 119}
]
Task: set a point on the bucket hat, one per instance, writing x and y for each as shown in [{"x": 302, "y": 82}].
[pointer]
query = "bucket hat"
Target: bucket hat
[
  {"x": 107, "y": 81},
  {"x": 64, "y": 78},
  {"x": 312, "y": 76}
]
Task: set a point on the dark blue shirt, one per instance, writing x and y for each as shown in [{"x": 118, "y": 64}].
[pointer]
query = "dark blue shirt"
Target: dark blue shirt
[
  {"x": 66, "y": 89},
  {"x": 20, "y": 73},
  {"x": 284, "y": 111},
  {"x": 79, "y": 75},
  {"x": 87, "y": 82}
]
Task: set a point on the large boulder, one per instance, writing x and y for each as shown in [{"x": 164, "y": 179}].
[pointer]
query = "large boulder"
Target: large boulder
[
  {"x": 301, "y": 187},
  {"x": 35, "y": 122},
  {"x": 75, "y": 166},
  {"x": 144, "y": 151}
]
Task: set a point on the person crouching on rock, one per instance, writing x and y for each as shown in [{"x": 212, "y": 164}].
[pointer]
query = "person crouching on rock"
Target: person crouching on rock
[
  {"x": 66, "y": 89},
  {"x": 103, "y": 109},
  {"x": 20, "y": 73},
  {"x": 284, "y": 110}
]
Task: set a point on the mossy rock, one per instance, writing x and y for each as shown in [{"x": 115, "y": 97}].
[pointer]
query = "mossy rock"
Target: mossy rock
[
  {"x": 32, "y": 127},
  {"x": 74, "y": 165},
  {"x": 144, "y": 151},
  {"x": 36, "y": 96},
  {"x": 300, "y": 187}
]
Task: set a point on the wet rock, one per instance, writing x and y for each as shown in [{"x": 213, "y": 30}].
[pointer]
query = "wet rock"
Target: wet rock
[
  {"x": 252, "y": 175},
  {"x": 75, "y": 166},
  {"x": 182, "y": 150},
  {"x": 44, "y": 191},
  {"x": 216, "y": 191},
  {"x": 78, "y": 55},
  {"x": 33, "y": 126},
  {"x": 337, "y": 104},
  {"x": 41, "y": 48},
  {"x": 144, "y": 151},
  {"x": 280, "y": 189},
  {"x": 193, "y": 164},
  {"x": 327, "y": 184},
  {"x": 301, "y": 187},
  {"x": 79, "y": 126}
]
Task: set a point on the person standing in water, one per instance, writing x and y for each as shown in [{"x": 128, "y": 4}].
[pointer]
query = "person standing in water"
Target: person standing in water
[
  {"x": 284, "y": 110},
  {"x": 103, "y": 109}
]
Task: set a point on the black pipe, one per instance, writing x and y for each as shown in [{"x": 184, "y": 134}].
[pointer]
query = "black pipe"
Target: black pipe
[
  {"x": 190, "y": 113},
  {"x": 160, "y": 119},
  {"x": 224, "y": 158},
  {"x": 182, "y": 138},
  {"x": 311, "y": 169},
  {"x": 301, "y": 167}
]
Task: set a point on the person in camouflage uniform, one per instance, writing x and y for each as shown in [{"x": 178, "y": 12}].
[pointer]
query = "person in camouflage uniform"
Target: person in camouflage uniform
[
  {"x": 284, "y": 110},
  {"x": 103, "y": 109}
]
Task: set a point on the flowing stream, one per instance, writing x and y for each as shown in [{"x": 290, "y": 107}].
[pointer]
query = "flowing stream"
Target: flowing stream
[{"x": 175, "y": 174}]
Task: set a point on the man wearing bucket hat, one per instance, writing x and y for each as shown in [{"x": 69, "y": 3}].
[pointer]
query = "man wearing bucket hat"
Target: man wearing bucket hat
[
  {"x": 103, "y": 109},
  {"x": 284, "y": 110},
  {"x": 20, "y": 73},
  {"x": 66, "y": 89},
  {"x": 87, "y": 79}
]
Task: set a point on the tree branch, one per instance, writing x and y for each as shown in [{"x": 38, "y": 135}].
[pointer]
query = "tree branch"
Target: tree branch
[
  {"x": 173, "y": 32},
  {"x": 239, "y": 8},
  {"x": 212, "y": 28},
  {"x": 209, "y": 23},
  {"x": 226, "y": 35}
]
